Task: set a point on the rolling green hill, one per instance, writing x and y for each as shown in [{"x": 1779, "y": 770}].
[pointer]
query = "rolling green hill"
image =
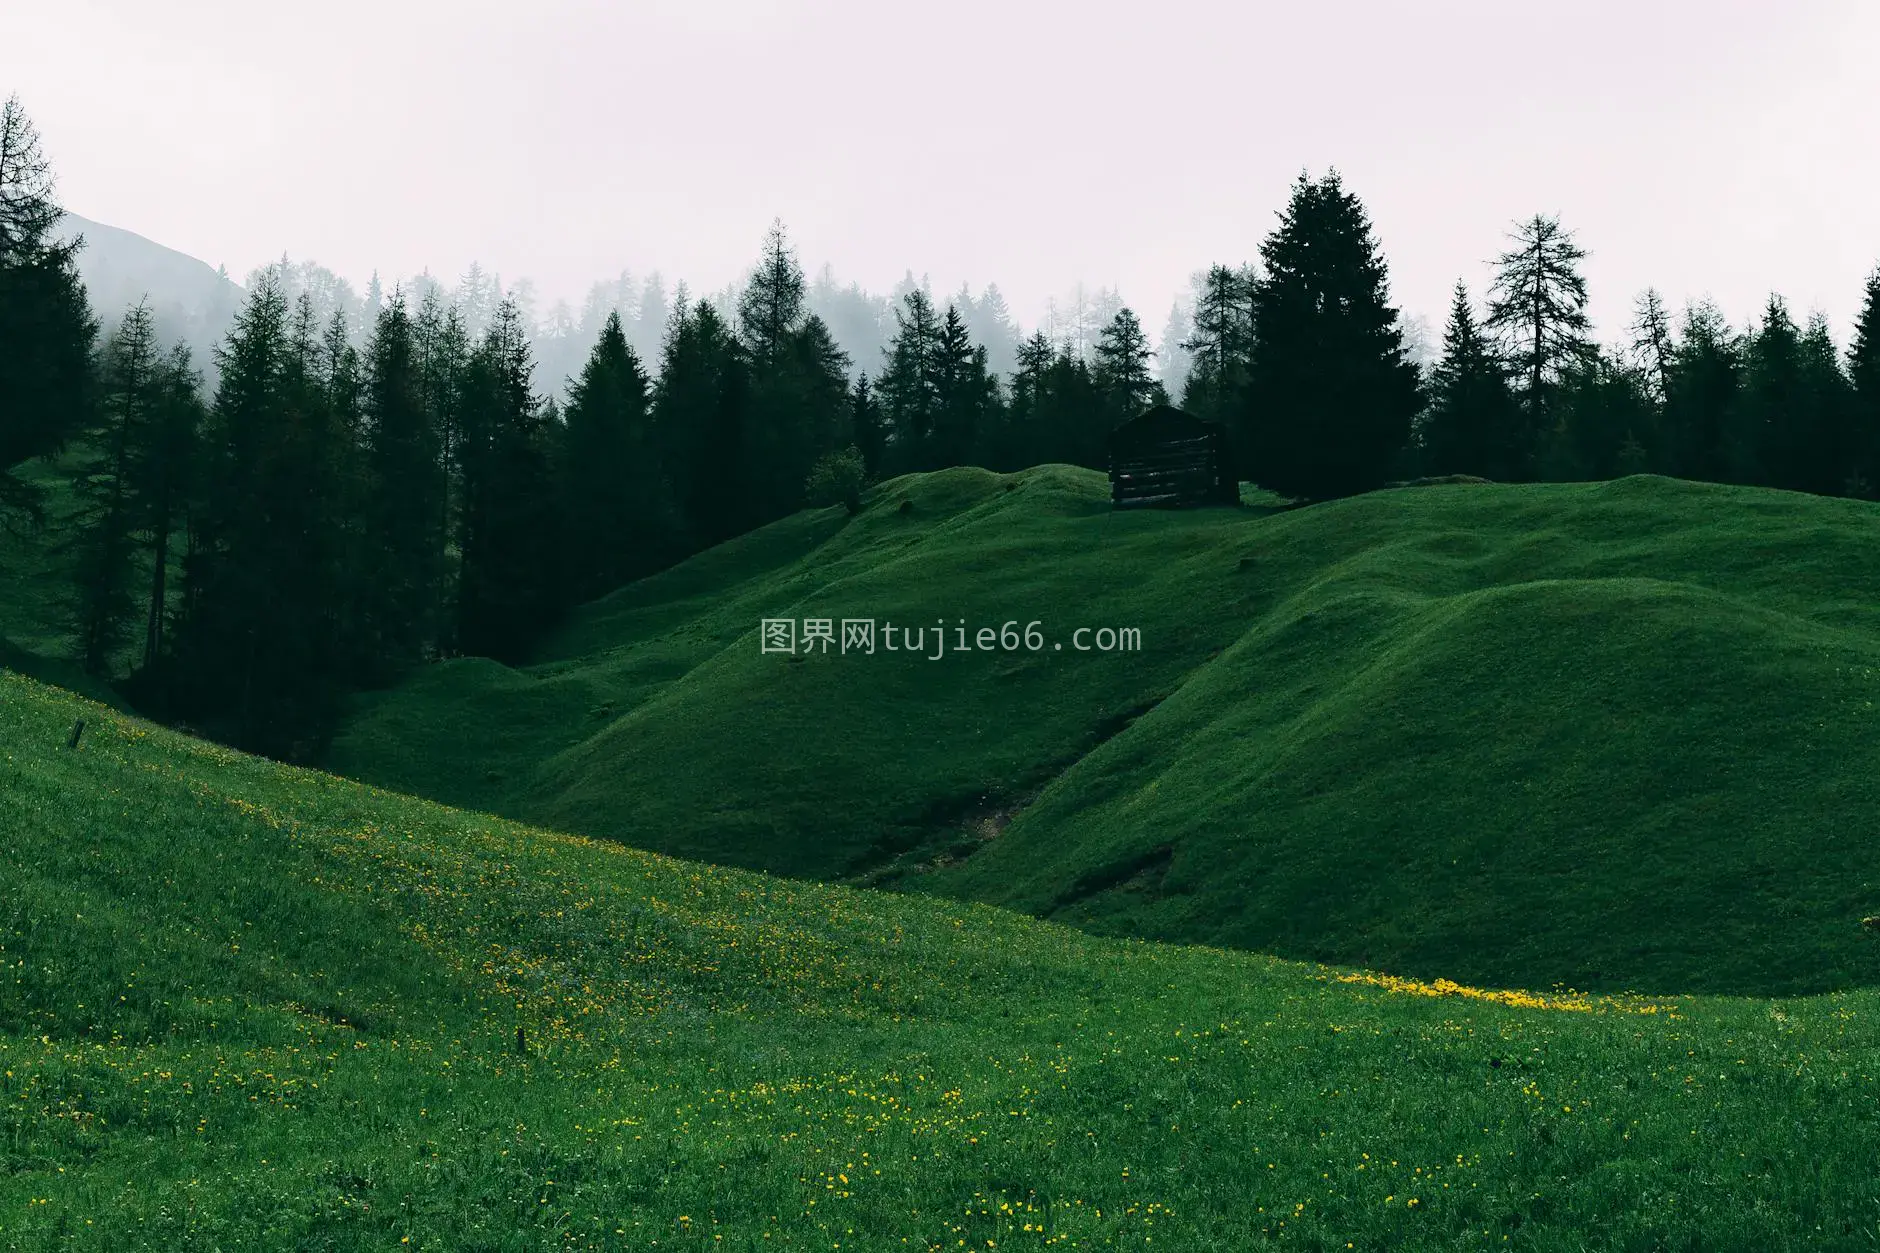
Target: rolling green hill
[
  {"x": 247, "y": 1006},
  {"x": 1614, "y": 736}
]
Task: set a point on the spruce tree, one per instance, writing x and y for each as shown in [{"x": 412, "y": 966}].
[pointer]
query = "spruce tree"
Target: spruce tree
[
  {"x": 1768, "y": 431},
  {"x": 906, "y": 382},
  {"x": 1863, "y": 371},
  {"x": 1220, "y": 346},
  {"x": 1701, "y": 395},
  {"x": 966, "y": 394},
  {"x": 869, "y": 428},
  {"x": 1121, "y": 372},
  {"x": 165, "y": 470},
  {"x": 47, "y": 332},
  {"x": 1652, "y": 341},
  {"x": 1471, "y": 426},
  {"x": 618, "y": 522},
  {"x": 700, "y": 407},
  {"x": 132, "y": 394},
  {"x": 1330, "y": 395},
  {"x": 506, "y": 534},
  {"x": 404, "y": 497},
  {"x": 1538, "y": 308},
  {"x": 1827, "y": 458}
]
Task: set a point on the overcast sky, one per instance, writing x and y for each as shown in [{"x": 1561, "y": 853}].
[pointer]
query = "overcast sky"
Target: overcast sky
[{"x": 1723, "y": 147}]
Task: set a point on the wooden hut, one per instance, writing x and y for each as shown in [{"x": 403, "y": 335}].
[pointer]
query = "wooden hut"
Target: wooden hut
[{"x": 1164, "y": 457}]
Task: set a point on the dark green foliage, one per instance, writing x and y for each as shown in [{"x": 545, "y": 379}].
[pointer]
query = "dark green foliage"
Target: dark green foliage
[
  {"x": 47, "y": 331},
  {"x": 506, "y": 532},
  {"x": 1538, "y": 308},
  {"x": 1700, "y": 395},
  {"x": 619, "y": 521},
  {"x": 1604, "y": 421},
  {"x": 869, "y": 431},
  {"x": 131, "y": 396},
  {"x": 1121, "y": 374},
  {"x": 1220, "y": 345},
  {"x": 701, "y": 403},
  {"x": 837, "y": 478},
  {"x": 1472, "y": 425},
  {"x": 906, "y": 385},
  {"x": 261, "y": 653},
  {"x": 1863, "y": 372},
  {"x": 1330, "y": 394},
  {"x": 404, "y": 490},
  {"x": 1768, "y": 426},
  {"x": 965, "y": 396}
]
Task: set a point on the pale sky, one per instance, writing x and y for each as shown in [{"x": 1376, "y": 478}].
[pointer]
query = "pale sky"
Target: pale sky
[{"x": 1721, "y": 147}]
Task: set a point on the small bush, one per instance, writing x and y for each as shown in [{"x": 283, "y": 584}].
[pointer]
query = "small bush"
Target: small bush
[{"x": 837, "y": 478}]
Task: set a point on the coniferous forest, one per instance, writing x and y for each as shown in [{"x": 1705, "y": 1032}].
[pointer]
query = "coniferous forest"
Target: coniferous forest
[{"x": 348, "y": 499}]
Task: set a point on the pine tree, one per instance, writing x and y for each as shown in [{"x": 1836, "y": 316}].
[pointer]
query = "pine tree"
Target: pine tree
[
  {"x": 1652, "y": 341},
  {"x": 506, "y": 534},
  {"x": 404, "y": 495},
  {"x": 165, "y": 468},
  {"x": 47, "y": 333},
  {"x": 700, "y": 407},
  {"x": 1701, "y": 395},
  {"x": 965, "y": 395},
  {"x": 1330, "y": 395},
  {"x": 1024, "y": 439},
  {"x": 1472, "y": 424},
  {"x": 1768, "y": 431},
  {"x": 1121, "y": 372},
  {"x": 906, "y": 382},
  {"x": 132, "y": 393},
  {"x": 1538, "y": 308},
  {"x": 1863, "y": 371},
  {"x": 261, "y": 650},
  {"x": 619, "y": 523},
  {"x": 1220, "y": 347},
  {"x": 870, "y": 432},
  {"x": 1827, "y": 459}
]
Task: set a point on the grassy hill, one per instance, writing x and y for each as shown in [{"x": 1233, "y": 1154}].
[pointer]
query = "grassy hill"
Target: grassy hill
[
  {"x": 1614, "y": 736},
  {"x": 246, "y": 1006}
]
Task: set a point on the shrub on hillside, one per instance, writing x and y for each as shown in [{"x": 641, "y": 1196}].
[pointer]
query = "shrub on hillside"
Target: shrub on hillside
[{"x": 837, "y": 478}]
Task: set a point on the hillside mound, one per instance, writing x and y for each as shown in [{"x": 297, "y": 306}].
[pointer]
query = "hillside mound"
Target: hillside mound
[
  {"x": 248, "y": 1006},
  {"x": 1609, "y": 735}
]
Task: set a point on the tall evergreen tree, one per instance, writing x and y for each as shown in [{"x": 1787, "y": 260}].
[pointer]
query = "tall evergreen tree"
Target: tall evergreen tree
[
  {"x": 1701, "y": 395},
  {"x": 1471, "y": 426},
  {"x": 47, "y": 333},
  {"x": 1221, "y": 344},
  {"x": 1330, "y": 395},
  {"x": 620, "y": 523},
  {"x": 1538, "y": 308},
  {"x": 1121, "y": 372},
  {"x": 1173, "y": 361},
  {"x": 165, "y": 470},
  {"x": 966, "y": 395},
  {"x": 1828, "y": 460},
  {"x": 1863, "y": 371},
  {"x": 869, "y": 428},
  {"x": 1652, "y": 341},
  {"x": 506, "y": 584},
  {"x": 906, "y": 382},
  {"x": 700, "y": 406},
  {"x": 132, "y": 394},
  {"x": 1769, "y": 432},
  {"x": 404, "y": 496}
]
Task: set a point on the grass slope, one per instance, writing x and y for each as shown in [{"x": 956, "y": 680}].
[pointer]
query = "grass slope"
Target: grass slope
[
  {"x": 246, "y": 1006},
  {"x": 1615, "y": 736}
]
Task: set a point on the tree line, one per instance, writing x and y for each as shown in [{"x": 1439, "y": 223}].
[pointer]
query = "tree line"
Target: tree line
[{"x": 346, "y": 502}]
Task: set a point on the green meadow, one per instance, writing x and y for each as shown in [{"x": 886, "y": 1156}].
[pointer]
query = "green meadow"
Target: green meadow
[
  {"x": 1615, "y": 736},
  {"x": 249, "y": 1006}
]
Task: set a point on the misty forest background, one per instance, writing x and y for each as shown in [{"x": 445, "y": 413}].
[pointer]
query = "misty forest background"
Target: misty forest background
[{"x": 340, "y": 486}]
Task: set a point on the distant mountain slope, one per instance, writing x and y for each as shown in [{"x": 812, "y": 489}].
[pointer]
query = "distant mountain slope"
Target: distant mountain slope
[
  {"x": 191, "y": 301},
  {"x": 1615, "y": 735}
]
